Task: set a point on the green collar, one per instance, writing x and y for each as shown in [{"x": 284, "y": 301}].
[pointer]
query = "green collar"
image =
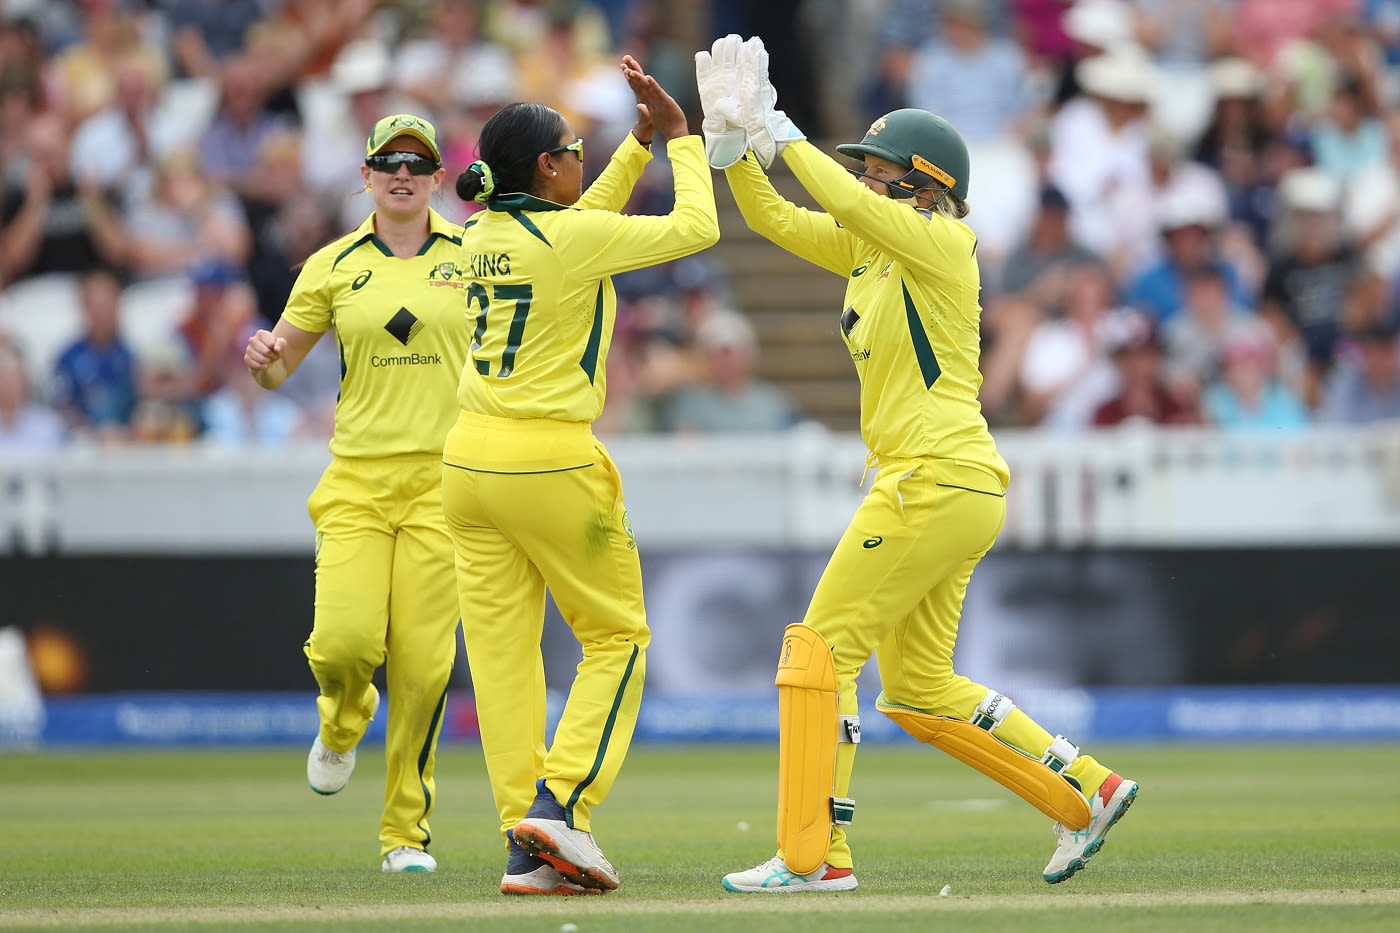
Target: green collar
[{"x": 520, "y": 201}]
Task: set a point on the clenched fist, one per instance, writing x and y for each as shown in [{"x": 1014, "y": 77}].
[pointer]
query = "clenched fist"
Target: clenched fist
[{"x": 263, "y": 350}]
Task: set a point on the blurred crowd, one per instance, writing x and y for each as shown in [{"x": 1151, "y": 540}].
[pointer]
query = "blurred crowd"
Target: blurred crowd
[
  {"x": 1188, "y": 211},
  {"x": 168, "y": 164},
  {"x": 1193, "y": 210}
]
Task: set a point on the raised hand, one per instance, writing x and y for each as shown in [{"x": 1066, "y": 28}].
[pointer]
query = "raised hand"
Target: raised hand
[
  {"x": 655, "y": 108},
  {"x": 717, "y": 78},
  {"x": 768, "y": 129}
]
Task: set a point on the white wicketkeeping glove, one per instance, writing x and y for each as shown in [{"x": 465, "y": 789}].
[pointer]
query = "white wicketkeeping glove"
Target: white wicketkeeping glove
[
  {"x": 717, "y": 77},
  {"x": 768, "y": 129}
]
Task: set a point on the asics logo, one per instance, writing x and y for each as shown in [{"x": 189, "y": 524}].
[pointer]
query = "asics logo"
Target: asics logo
[
  {"x": 872, "y": 542},
  {"x": 859, "y": 270},
  {"x": 360, "y": 280}
]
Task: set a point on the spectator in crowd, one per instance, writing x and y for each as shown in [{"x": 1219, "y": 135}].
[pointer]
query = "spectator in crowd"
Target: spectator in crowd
[
  {"x": 1263, "y": 28},
  {"x": 1351, "y": 139},
  {"x": 1173, "y": 184},
  {"x": 1100, "y": 142},
  {"x": 564, "y": 73},
  {"x": 1237, "y": 134},
  {"x": 1365, "y": 387},
  {"x": 977, "y": 82},
  {"x": 729, "y": 399},
  {"x": 1305, "y": 290},
  {"x": 293, "y": 232},
  {"x": 1047, "y": 248},
  {"x": 229, "y": 148},
  {"x": 167, "y": 408},
  {"x": 430, "y": 67},
  {"x": 217, "y": 325},
  {"x": 1132, "y": 341},
  {"x": 1093, "y": 28},
  {"x": 360, "y": 77},
  {"x": 24, "y": 424},
  {"x": 185, "y": 219},
  {"x": 1371, "y": 207},
  {"x": 1188, "y": 218},
  {"x": 522, "y": 26},
  {"x": 95, "y": 377},
  {"x": 1033, "y": 281},
  {"x": 1184, "y": 33},
  {"x": 51, "y": 222},
  {"x": 1040, "y": 25},
  {"x": 1195, "y": 339},
  {"x": 119, "y": 144},
  {"x": 204, "y": 34},
  {"x": 82, "y": 75},
  {"x": 241, "y": 414},
  {"x": 1249, "y": 396},
  {"x": 1065, "y": 372}
]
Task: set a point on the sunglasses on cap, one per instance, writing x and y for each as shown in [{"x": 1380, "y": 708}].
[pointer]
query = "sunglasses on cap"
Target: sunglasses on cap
[
  {"x": 576, "y": 147},
  {"x": 389, "y": 162}
]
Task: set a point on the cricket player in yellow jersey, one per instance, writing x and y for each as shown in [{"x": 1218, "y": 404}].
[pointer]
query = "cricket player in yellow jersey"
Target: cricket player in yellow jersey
[
  {"x": 392, "y": 290},
  {"x": 533, "y": 500},
  {"x": 895, "y": 583}
]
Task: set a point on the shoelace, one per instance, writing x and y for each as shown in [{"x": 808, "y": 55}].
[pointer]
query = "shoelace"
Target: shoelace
[{"x": 334, "y": 758}]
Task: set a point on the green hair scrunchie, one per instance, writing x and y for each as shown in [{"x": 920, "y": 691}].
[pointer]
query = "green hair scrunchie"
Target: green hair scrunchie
[{"x": 488, "y": 180}]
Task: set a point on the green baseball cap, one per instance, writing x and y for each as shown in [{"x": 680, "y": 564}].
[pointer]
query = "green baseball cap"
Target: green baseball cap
[{"x": 402, "y": 124}]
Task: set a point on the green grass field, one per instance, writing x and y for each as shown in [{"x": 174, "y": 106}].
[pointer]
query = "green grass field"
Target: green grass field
[{"x": 1277, "y": 838}]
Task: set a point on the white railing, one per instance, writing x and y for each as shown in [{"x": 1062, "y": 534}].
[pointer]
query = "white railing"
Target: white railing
[{"x": 1133, "y": 487}]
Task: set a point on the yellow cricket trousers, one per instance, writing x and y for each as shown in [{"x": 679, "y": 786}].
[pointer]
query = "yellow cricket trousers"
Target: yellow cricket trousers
[
  {"x": 385, "y": 593},
  {"x": 895, "y": 586},
  {"x": 516, "y": 534}
]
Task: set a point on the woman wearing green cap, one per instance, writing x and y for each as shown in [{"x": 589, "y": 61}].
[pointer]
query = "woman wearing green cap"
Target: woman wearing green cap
[
  {"x": 895, "y": 583},
  {"x": 393, "y": 290}
]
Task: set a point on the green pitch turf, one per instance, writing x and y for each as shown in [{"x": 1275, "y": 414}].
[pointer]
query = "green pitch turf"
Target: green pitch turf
[{"x": 1267, "y": 838}]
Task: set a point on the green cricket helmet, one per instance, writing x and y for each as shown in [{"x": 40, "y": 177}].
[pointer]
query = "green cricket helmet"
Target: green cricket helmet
[{"x": 922, "y": 142}]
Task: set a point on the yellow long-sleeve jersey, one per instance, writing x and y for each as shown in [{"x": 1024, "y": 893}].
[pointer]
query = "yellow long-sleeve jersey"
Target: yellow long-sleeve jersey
[
  {"x": 911, "y": 317},
  {"x": 540, "y": 298}
]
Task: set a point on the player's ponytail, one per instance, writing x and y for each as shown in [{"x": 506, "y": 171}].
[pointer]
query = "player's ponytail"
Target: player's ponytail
[
  {"x": 476, "y": 183},
  {"x": 510, "y": 143}
]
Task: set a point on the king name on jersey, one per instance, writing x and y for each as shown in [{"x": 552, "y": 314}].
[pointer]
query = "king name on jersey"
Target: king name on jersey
[{"x": 480, "y": 265}]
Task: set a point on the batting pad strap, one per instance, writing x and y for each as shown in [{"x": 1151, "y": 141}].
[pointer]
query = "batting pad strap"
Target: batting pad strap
[
  {"x": 1060, "y": 755},
  {"x": 808, "y": 728},
  {"x": 848, "y": 730},
  {"x": 1032, "y": 781},
  {"x": 992, "y": 710},
  {"x": 843, "y": 810}
]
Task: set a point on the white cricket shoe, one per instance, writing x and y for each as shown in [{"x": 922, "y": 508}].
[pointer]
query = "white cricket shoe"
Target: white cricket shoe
[
  {"x": 1076, "y": 847},
  {"x": 773, "y": 876},
  {"x": 407, "y": 858},
  {"x": 572, "y": 852},
  {"x": 327, "y": 771}
]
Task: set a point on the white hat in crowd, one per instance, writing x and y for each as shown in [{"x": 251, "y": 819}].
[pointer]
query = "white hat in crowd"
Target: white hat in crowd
[
  {"x": 362, "y": 65},
  {"x": 1186, "y": 205},
  {"x": 1235, "y": 78},
  {"x": 726, "y": 329},
  {"x": 1310, "y": 189},
  {"x": 1101, "y": 23},
  {"x": 1124, "y": 74}
]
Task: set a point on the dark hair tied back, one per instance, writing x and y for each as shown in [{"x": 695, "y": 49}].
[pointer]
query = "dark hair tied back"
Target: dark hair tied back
[{"x": 510, "y": 143}]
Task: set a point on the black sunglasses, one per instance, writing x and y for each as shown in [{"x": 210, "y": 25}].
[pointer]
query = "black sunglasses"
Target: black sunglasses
[
  {"x": 389, "y": 162},
  {"x": 576, "y": 147}
]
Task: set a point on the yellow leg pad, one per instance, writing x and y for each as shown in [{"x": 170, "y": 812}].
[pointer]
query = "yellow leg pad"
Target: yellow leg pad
[
  {"x": 1024, "y": 776},
  {"x": 807, "y": 732}
]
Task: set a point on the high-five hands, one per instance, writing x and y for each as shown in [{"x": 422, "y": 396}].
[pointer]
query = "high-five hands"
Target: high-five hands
[
  {"x": 740, "y": 103},
  {"x": 717, "y": 78}
]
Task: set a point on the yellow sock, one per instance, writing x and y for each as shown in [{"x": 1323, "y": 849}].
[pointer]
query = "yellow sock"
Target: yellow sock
[{"x": 1023, "y": 732}]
